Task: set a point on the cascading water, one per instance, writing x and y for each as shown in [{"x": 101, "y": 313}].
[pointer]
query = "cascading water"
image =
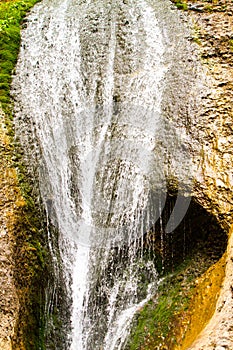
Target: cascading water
[{"x": 89, "y": 91}]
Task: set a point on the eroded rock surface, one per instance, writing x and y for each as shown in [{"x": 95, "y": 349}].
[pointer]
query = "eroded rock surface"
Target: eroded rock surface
[
  {"x": 218, "y": 334},
  {"x": 214, "y": 183},
  {"x": 9, "y": 199},
  {"x": 214, "y": 33}
]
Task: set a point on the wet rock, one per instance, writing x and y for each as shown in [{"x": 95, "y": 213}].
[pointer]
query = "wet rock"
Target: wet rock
[
  {"x": 196, "y": 7},
  {"x": 9, "y": 305}
]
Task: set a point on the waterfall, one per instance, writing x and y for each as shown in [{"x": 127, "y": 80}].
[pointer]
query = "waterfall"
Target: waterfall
[{"x": 89, "y": 92}]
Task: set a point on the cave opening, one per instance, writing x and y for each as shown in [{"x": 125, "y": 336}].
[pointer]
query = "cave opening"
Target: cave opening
[{"x": 199, "y": 236}]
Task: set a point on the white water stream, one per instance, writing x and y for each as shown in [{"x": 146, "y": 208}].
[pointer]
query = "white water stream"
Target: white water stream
[{"x": 89, "y": 86}]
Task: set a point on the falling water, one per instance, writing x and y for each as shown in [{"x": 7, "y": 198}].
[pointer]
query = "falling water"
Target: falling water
[{"x": 89, "y": 92}]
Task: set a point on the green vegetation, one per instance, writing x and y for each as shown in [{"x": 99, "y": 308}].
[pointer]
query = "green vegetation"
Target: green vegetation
[
  {"x": 181, "y": 5},
  {"x": 208, "y": 8},
  {"x": 166, "y": 319},
  {"x": 163, "y": 322},
  {"x": 196, "y": 34},
  {"x": 11, "y": 16},
  {"x": 30, "y": 278},
  {"x": 155, "y": 323}
]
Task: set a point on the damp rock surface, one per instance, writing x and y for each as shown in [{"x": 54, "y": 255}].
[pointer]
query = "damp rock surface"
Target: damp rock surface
[
  {"x": 213, "y": 34},
  {"x": 212, "y": 127},
  {"x": 218, "y": 334},
  {"x": 9, "y": 198}
]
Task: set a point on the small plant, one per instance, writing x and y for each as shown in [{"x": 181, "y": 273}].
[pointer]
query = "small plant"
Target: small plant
[
  {"x": 181, "y": 5},
  {"x": 196, "y": 35},
  {"x": 11, "y": 16},
  {"x": 208, "y": 8},
  {"x": 154, "y": 325},
  {"x": 165, "y": 320}
]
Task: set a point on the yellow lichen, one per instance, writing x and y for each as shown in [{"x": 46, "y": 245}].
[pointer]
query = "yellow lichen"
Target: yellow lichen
[{"x": 203, "y": 304}]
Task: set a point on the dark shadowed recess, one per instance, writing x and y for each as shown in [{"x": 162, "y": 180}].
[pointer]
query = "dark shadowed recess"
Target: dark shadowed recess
[{"x": 198, "y": 233}]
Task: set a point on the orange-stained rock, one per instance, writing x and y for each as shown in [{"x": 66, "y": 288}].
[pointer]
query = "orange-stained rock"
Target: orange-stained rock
[{"x": 9, "y": 199}]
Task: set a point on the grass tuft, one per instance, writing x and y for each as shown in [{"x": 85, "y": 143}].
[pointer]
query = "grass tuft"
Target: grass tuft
[
  {"x": 11, "y": 16},
  {"x": 181, "y": 5}
]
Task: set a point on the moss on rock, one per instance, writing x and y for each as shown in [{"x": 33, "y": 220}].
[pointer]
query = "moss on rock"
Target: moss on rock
[{"x": 21, "y": 216}]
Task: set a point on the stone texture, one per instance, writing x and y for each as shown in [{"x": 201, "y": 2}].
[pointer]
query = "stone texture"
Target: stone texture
[
  {"x": 213, "y": 32},
  {"x": 9, "y": 198},
  {"x": 213, "y": 22},
  {"x": 218, "y": 334},
  {"x": 214, "y": 183}
]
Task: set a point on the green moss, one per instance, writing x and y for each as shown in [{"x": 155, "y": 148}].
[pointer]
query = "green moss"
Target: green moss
[
  {"x": 196, "y": 35},
  {"x": 11, "y": 16},
  {"x": 154, "y": 325},
  {"x": 181, "y": 5},
  {"x": 208, "y": 8},
  {"x": 159, "y": 324},
  {"x": 30, "y": 275}
]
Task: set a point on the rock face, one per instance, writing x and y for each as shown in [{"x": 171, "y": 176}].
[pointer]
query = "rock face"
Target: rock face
[
  {"x": 212, "y": 128},
  {"x": 213, "y": 23},
  {"x": 10, "y": 199},
  {"x": 218, "y": 334},
  {"x": 213, "y": 32}
]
